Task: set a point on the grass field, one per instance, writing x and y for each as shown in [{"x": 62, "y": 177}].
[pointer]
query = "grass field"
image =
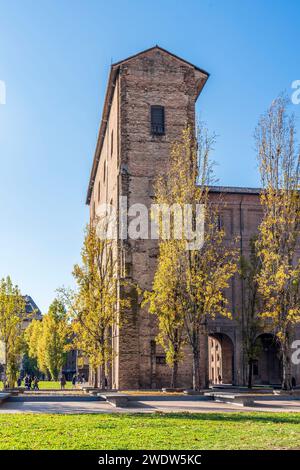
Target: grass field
[
  {"x": 155, "y": 431},
  {"x": 45, "y": 384}
]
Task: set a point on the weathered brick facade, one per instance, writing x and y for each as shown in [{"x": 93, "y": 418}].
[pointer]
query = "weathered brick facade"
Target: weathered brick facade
[{"x": 128, "y": 157}]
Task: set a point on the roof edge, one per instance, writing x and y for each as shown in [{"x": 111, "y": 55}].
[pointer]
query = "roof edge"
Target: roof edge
[
  {"x": 235, "y": 190},
  {"x": 167, "y": 52},
  {"x": 114, "y": 69}
]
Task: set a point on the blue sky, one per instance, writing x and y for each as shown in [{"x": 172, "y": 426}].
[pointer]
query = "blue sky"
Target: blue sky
[{"x": 54, "y": 59}]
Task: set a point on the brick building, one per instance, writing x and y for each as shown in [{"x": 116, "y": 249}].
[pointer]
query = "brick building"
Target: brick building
[{"x": 150, "y": 98}]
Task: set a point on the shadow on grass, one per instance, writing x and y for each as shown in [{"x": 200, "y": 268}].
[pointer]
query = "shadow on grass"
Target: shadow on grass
[{"x": 233, "y": 417}]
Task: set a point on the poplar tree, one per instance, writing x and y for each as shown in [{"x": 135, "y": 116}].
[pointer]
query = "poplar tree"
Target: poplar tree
[
  {"x": 48, "y": 340},
  {"x": 279, "y": 278},
  {"x": 96, "y": 306},
  {"x": 166, "y": 301},
  {"x": 33, "y": 337},
  {"x": 250, "y": 318},
  {"x": 206, "y": 270},
  {"x": 12, "y": 315},
  {"x": 55, "y": 339}
]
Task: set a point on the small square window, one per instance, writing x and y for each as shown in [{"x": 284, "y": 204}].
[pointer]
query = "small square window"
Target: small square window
[
  {"x": 161, "y": 360},
  {"x": 157, "y": 120}
]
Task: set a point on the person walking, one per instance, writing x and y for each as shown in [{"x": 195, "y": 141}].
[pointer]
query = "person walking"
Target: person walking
[
  {"x": 35, "y": 384},
  {"x": 26, "y": 382},
  {"x": 62, "y": 382},
  {"x": 74, "y": 381}
]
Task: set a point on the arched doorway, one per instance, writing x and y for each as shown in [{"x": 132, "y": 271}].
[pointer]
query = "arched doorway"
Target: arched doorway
[
  {"x": 267, "y": 368},
  {"x": 220, "y": 359}
]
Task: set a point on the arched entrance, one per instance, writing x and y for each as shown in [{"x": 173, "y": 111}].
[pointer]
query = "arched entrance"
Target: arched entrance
[
  {"x": 267, "y": 368},
  {"x": 220, "y": 359}
]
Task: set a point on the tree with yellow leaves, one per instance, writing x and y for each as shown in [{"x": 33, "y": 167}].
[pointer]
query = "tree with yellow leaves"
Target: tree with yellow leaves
[
  {"x": 206, "y": 262},
  {"x": 96, "y": 306},
  {"x": 279, "y": 235},
  {"x": 166, "y": 301},
  {"x": 48, "y": 340},
  {"x": 250, "y": 319},
  {"x": 33, "y": 335},
  {"x": 208, "y": 274},
  {"x": 12, "y": 315},
  {"x": 55, "y": 338}
]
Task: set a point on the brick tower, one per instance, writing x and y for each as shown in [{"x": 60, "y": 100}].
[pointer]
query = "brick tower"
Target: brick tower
[{"x": 150, "y": 98}]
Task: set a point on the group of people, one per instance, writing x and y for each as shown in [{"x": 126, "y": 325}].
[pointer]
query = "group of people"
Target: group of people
[
  {"x": 77, "y": 378},
  {"x": 30, "y": 382}
]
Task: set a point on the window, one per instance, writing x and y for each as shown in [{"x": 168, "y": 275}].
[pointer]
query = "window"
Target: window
[
  {"x": 104, "y": 171},
  {"x": 161, "y": 360},
  {"x": 98, "y": 191},
  {"x": 255, "y": 367},
  {"x": 157, "y": 120},
  {"x": 111, "y": 143},
  {"x": 220, "y": 222}
]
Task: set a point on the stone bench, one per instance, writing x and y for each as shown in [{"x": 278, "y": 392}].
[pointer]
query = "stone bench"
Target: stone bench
[
  {"x": 4, "y": 396},
  {"x": 13, "y": 391},
  {"x": 119, "y": 400},
  {"x": 295, "y": 393},
  {"x": 90, "y": 390},
  {"x": 240, "y": 399},
  {"x": 193, "y": 392}
]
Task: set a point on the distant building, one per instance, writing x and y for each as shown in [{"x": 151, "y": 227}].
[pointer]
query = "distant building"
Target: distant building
[
  {"x": 70, "y": 365},
  {"x": 32, "y": 311}
]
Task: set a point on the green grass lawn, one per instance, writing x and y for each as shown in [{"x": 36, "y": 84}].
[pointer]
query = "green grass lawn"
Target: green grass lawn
[
  {"x": 43, "y": 384},
  {"x": 154, "y": 431},
  {"x": 47, "y": 384}
]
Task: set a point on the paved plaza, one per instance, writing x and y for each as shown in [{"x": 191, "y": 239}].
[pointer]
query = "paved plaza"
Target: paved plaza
[{"x": 71, "y": 403}]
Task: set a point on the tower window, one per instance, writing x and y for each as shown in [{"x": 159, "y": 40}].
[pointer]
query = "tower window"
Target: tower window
[
  {"x": 157, "y": 120},
  {"x": 161, "y": 360}
]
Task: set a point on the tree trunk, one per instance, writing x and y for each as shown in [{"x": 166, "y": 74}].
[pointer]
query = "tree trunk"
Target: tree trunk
[
  {"x": 175, "y": 362},
  {"x": 5, "y": 366},
  {"x": 102, "y": 377},
  {"x": 286, "y": 366},
  {"x": 174, "y": 374},
  {"x": 95, "y": 381},
  {"x": 196, "y": 369},
  {"x": 250, "y": 373}
]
